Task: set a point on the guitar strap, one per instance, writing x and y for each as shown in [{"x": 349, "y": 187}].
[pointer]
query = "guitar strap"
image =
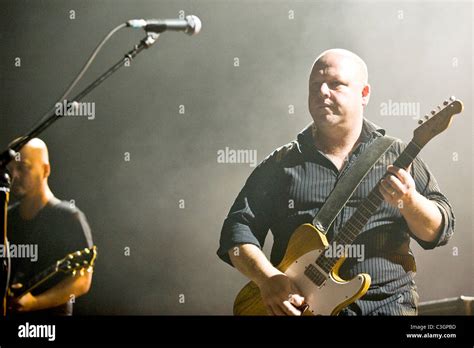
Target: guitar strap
[{"x": 349, "y": 182}]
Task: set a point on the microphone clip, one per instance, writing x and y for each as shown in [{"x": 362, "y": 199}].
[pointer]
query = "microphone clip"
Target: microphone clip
[{"x": 150, "y": 38}]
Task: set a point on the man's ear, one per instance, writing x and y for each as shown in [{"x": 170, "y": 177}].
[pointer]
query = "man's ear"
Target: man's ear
[
  {"x": 47, "y": 170},
  {"x": 365, "y": 95}
]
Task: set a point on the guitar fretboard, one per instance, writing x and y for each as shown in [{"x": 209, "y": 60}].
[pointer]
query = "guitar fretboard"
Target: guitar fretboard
[
  {"x": 365, "y": 210},
  {"x": 37, "y": 279}
]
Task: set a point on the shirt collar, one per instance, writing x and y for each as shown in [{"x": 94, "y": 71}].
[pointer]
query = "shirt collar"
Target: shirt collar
[{"x": 369, "y": 130}]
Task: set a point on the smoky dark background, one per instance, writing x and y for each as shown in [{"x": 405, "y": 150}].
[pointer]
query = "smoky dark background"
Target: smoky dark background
[{"x": 417, "y": 52}]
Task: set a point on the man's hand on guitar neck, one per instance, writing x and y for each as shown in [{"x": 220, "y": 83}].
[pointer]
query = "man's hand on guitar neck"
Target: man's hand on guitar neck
[
  {"x": 423, "y": 216},
  {"x": 278, "y": 293}
]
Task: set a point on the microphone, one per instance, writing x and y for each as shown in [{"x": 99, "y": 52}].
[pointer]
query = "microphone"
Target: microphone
[{"x": 191, "y": 25}]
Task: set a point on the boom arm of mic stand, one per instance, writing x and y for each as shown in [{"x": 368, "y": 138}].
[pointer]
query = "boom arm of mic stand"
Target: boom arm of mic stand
[{"x": 6, "y": 156}]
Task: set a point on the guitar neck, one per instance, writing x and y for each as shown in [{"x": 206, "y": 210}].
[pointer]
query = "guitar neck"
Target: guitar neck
[
  {"x": 37, "y": 280},
  {"x": 365, "y": 210}
]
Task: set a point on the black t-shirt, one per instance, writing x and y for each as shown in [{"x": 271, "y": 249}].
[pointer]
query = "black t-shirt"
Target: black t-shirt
[{"x": 57, "y": 230}]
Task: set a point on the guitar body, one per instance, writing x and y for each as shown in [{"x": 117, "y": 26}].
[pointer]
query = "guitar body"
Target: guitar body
[{"x": 305, "y": 245}]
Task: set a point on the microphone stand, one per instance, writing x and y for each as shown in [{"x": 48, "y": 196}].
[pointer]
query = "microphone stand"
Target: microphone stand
[{"x": 8, "y": 155}]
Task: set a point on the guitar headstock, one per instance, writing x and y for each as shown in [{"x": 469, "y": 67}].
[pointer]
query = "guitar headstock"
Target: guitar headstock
[
  {"x": 438, "y": 122},
  {"x": 79, "y": 261}
]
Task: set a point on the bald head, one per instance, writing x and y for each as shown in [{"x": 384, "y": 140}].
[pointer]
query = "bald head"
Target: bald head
[
  {"x": 36, "y": 150},
  {"x": 351, "y": 61},
  {"x": 30, "y": 170}
]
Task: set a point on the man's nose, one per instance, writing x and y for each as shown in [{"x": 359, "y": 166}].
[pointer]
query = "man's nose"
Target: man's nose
[{"x": 324, "y": 90}]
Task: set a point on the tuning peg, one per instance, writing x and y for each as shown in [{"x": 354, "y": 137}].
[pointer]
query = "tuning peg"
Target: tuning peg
[
  {"x": 85, "y": 262},
  {"x": 78, "y": 253},
  {"x": 70, "y": 256},
  {"x": 453, "y": 98},
  {"x": 81, "y": 272},
  {"x": 439, "y": 107},
  {"x": 420, "y": 121},
  {"x": 74, "y": 273},
  {"x": 87, "y": 251},
  {"x": 433, "y": 112},
  {"x": 427, "y": 117},
  {"x": 446, "y": 102}
]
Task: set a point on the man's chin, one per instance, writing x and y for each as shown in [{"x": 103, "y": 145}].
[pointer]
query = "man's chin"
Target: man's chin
[{"x": 327, "y": 119}]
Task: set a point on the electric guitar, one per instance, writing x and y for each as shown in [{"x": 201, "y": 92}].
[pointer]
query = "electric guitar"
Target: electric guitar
[
  {"x": 305, "y": 263},
  {"x": 79, "y": 261}
]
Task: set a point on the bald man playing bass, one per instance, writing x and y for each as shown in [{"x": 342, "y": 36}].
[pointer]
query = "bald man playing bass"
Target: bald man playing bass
[{"x": 56, "y": 227}]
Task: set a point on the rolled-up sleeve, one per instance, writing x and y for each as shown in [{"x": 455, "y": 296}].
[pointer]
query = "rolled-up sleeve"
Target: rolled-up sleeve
[
  {"x": 249, "y": 218},
  {"x": 427, "y": 185}
]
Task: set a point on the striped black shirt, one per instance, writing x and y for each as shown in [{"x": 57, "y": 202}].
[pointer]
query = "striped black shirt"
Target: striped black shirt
[{"x": 290, "y": 186}]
